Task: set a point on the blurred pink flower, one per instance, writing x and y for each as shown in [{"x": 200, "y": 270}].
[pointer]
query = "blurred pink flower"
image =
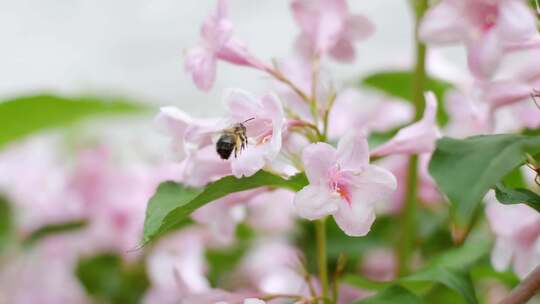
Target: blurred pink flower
[
  {"x": 468, "y": 116},
  {"x": 222, "y": 215},
  {"x": 488, "y": 28},
  {"x": 272, "y": 212},
  {"x": 35, "y": 180},
  {"x": 217, "y": 43},
  {"x": 115, "y": 198},
  {"x": 417, "y": 138},
  {"x": 273, "y": 267},
  {"x": 44, "y": 274},
  {"x": 264, "y": 130},
  {"x": 517, "y": 231},
  {"x": 177, "y": 267},
  {"x": 379, "y": 264},
  {"x": 327, "y": 27},
  {"x": 352, "y": 110},
  {"x": 342, "y": 183}
]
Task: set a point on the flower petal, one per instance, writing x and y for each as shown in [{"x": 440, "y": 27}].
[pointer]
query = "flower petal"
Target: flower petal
[
  {"x": 374, "y": 185},
  {"x": 516, "y": 22},
  {"x": 484, "y": 54},
  {"x": 502, "y": 254},
  {"x": 417, "y": 138},
  {"x": 442, "y": 24},
  {"x": 343, "y": 50},
  {"x": 249, "y": 161},
  {"x": 353, "y": 151},
  {"x": 355, "y": 219},
  {"x": 314, "y": 202},
  {"x": 359, "y": 27},
  {"x": 201, "y": 63},
  {"x": 318, "y": 159}
]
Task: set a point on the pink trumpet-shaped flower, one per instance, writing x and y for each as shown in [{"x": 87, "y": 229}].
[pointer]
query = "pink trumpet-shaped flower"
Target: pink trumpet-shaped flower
[
  {"x": 517, "y": 231},
  {"x": 344, "y": 184},
  {"x": 327, "y": 27},
  {"x": 264, "y": 130},
  {"x": 487, "y": 27},
  {"x": 217, "y": 43},
  {"x": 417, "y": 138}
]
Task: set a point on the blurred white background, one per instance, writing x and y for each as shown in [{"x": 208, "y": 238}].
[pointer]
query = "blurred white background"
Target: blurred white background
[{"x": 135, "y": 47}]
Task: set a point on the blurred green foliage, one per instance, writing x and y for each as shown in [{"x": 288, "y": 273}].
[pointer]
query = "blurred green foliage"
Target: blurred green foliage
[
  {"x": 106, "y": 278},
  {"x": 400, "y": 84},
  {"x": 23, "y": 116}
]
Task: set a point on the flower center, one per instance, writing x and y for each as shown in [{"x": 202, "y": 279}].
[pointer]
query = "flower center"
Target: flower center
[
  {"x": 483, "y": 14},
  {"x": 339, "y": 184}
]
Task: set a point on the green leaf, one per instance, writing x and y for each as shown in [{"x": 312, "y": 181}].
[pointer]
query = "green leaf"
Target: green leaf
[
  {"x": 517, "y": 196},
  {"x": 449, "y": 269},
  {"x": 400, "y": 83},
  {"x": 455, "y": 280},
  {"x": 107, "y": 279},
  {"x": 53, "y": 229},
  {"x": 6, "y": 224},
  {"x": 394, "y": 294},
  {"x": 23, "y": 116},
  {"x": 465, "y": 169},
  {"x": 173, "y": 203}
]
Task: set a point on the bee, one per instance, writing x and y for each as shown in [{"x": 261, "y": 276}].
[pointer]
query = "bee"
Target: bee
[{"x": 232, "y": 139}]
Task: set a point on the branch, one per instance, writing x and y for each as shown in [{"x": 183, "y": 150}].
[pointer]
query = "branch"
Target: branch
[{"x": 529, "y": 287}]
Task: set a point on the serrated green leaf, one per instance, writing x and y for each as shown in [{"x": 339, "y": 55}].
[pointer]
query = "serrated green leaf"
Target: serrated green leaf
[
  {"x": 394, "y": 294},
  {"x": 517, "y": 196},
  {"x": 173, "y": 203},
  {"x": 109, "y": 280},
  {"x": 465, "y": 169},
  {"x": 23, "y": 116},
  {"x": 400, "y": 83}
]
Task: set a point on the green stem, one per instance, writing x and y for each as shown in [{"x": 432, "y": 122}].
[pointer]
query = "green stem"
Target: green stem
[
  {"x": 408, "y": 227},
  {"x": 320, "y": 231}
]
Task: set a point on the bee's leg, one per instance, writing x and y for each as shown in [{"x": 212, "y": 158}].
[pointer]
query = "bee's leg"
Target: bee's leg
[{"x": 237, "y": 146}]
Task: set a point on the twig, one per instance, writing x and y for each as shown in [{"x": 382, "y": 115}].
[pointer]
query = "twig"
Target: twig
[{"x": 529, "y": 287}]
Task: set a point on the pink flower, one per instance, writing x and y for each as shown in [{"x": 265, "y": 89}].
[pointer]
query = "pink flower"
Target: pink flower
[
  {"x": 217, "y": 43},
  {"x": 467, "y": 115},
  {"x": 486, "y": 27},
  {"x": 176, "y": 267},
  {"x": 344, "y": 184},
  {"x": 264, "y": 130},
  {"x": 352, "y": 110},
  {"x": 273, "y": 267},
  {"x": 272, "y": 212},
  {"x": 327, "y": 27},
  {"x": 517, "y": 231},
  {"x": 417, "y": 138}
]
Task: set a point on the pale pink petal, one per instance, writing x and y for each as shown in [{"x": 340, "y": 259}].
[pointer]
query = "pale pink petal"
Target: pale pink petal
[
  {"x": 359, "y": 27},
  {"x": 353, "y": 151},
  {"x": 343, "y": 50},
  {"x": 484, "y": 54},
  {"x": 502, "y": 93},
  {"x": 250, "y": 160},
  {"x": 373, "y": 185},
  {"x": 254, "y": 301},
  {"x": 173, "y": 120},
  {"x": 241, "y": 105},
  {"x": 201, "y": 64},
  {"x": 318, "y": 159},
  {"x": 443, "y": 23},
  {"x": 314, "y": 202},
  {"x": 501, "y": 255},
  {"x": 305, "y": 16},
  {"x": 428, "y": 191},
  {"x": 236, "y": 52},
  {"x": 417, "y": 138},
  {"x": 355, "y": 219},
  {"x": 331, "y": 23},
  {"x": 516, "y": 22},
  {"x": 528, "y": 114},
  {"x": 272, "y": 212}
]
